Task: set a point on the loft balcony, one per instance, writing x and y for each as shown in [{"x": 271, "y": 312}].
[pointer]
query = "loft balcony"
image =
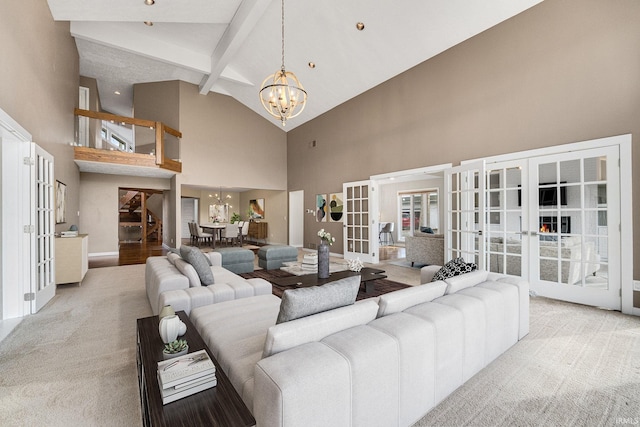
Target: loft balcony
[{"x": 118, "y": 145}]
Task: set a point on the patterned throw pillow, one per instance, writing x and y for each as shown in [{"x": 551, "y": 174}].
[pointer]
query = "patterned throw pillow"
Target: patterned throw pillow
[{"x": 455, "y": 267}]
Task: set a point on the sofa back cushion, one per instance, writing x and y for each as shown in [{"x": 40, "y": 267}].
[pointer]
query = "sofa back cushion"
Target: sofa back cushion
[
  {"x": 397, "y": 301},
  {"x": 302, "y": 302},
  {"x": 187, "y": 270},
  {"x": 300, "y": 331},
  {"x": 466, "y": 280},
  {"x": 199, "y": 261}
]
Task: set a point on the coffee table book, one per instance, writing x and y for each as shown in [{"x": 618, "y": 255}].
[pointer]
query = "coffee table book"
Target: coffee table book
[
  {"x": 185, "y": 375},
  {"x": 184, "y": 368}
]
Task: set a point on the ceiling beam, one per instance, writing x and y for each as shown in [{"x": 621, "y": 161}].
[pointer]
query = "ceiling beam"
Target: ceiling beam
[{"x": 243, "y": 22}]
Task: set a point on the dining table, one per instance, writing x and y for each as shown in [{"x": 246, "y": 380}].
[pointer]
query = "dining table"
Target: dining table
[{"x": 214, "y": 228}]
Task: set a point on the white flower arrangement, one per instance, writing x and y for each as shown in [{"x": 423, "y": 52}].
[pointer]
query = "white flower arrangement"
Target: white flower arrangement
[{"x": 326, "y": 237}]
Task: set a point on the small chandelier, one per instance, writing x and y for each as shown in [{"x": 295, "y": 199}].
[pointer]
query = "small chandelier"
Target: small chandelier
[
  {"x": 282, "y": 94},
  {"x": 220, "y": 200}
]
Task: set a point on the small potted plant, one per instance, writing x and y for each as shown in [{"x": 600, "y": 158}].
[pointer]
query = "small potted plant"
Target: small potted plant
[
  {"x": 234, "y": 218},
  {"x": 175, "y": 348}
]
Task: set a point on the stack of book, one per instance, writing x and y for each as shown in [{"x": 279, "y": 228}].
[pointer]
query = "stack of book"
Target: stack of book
[
  {"x": 185, "y": 375},
  {"x": 310, "y": 262}
]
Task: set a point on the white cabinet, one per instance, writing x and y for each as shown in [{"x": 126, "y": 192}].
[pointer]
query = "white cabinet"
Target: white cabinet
[{"x": 72, "y": 259}]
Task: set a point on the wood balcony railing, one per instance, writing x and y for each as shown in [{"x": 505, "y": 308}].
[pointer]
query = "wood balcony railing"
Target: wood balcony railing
[{"x": 158, "y": 160}]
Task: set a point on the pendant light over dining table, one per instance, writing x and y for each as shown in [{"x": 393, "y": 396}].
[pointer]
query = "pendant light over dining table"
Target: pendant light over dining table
[{"x": 282, "y": 94}]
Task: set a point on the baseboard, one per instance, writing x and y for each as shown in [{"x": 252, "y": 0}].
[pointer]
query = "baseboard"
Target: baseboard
[{"x": 99, "y": 254}]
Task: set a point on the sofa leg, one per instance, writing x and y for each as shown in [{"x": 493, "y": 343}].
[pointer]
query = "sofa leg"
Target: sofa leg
[{"x": 411, "y": 263}]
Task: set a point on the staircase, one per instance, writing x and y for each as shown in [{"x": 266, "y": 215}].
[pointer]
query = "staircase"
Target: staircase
[{"x": 134, "y": 212}]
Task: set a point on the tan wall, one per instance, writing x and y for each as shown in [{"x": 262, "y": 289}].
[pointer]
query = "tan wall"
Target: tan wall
[
  {"x": 39, "y": 86},
  {"x": 275, "y": 212},
  {"x": 561, "y": 72},
  {"x": 226, "y": 144},
  {"x": 99, "y": 207}
]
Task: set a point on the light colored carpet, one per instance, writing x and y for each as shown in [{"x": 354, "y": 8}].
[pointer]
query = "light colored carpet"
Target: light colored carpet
[{"x": 73, "y": 364}]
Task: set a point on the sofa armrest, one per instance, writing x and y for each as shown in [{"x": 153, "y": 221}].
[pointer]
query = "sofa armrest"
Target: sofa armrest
[
  {"x": 427, "y": 273},
  {"x": 215, "y": 258}
]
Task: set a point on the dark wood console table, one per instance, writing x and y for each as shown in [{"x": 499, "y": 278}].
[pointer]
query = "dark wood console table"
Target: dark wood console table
[{"x": 218, "y": 406}]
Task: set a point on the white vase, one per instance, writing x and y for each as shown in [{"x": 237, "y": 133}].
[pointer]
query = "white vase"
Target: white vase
[
  {"x": 169, "y": 327},
  {"x": 167, "y": 310},
  {"x": 182, "y": 329}
]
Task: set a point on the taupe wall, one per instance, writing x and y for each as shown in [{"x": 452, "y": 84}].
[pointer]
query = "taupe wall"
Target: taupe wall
[
  {"x": 561, "y": 72},
  {"x": 226, "y": 144},
  {"x": 39, "y": 85},
  {"x": 275, "y": 212}
]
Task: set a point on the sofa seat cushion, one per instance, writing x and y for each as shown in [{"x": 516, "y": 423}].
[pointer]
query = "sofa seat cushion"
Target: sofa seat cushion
[
  {"x": 303, "y": 302},
  {"x": 235, "y": 333},
  {"x": 190, "y": 298}
]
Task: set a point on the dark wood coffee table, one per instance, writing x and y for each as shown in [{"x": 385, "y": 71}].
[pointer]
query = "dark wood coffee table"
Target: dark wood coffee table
[
  {"x": 218, "y": 406},
  {"x": 367, "y": 276}
]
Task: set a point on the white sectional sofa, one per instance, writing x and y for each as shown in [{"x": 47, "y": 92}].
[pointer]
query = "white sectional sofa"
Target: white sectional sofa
[
  {"x": 171, "y": 280},
  {"x": 382, "y": 361}
]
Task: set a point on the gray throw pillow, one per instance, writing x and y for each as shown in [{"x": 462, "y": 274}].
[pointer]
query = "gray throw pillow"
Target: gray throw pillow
[
  {"x": 198, "y": 260},
  {"x": 303, "y": 302}
]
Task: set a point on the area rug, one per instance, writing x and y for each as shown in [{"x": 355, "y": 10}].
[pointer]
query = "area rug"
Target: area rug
[
  {"x": 381, "y": 286},
  {"x": 403, "y": 263}
]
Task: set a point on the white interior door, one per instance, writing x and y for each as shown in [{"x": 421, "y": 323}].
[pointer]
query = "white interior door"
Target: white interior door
[
  {"x": 360, "y": 237},
  {"x": 296, "y": 218},
  {"x": 575, "y": 212},
  {"x": 465, "y": 213},
  {"x": 44, "y": 284}
]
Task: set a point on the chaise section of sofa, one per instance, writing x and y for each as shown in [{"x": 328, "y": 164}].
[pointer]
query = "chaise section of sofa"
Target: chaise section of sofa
[
  {"x": 378, "y": 362},
  {"x": 170, "y": 280}
]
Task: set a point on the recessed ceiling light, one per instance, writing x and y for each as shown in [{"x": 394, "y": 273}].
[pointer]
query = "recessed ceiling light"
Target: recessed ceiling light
[
  {"x": 148, "y": 23},
  {"x": 117, "y": 92},
  {"x": 312, "y": 65},
  {"x": 149, "y": 2},
  {"x": 360, "y": 26}
]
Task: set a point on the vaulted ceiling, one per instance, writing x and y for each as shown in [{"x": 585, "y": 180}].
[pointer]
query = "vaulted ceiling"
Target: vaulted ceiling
[{"x": 230, "y": 46}]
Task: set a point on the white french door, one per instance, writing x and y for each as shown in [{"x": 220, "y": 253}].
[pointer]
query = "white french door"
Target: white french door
[
  {"x": 43, "y": 284},
  {"x": 507, "y": 218},
  {"x": 465, "y": 213},
  {"x": 575, "y": 222},
  {"x": 360, "y": 237},
  {"x": 555, "y": 221}
]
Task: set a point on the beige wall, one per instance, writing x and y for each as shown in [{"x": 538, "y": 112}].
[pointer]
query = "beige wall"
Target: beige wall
[
  {"x": 39, "y": 86},
  {"x": 561, "y": 72},
  {"x": 226, "y": 144},
  {"x": 99, "y": 207},
  {"x": 275, "y": 212}
]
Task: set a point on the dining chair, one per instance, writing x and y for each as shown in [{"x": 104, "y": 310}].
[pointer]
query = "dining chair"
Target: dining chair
[
  {"x": 231, "y": 233},
  {"x": 202, "y": 236},
  {"x": 244, "y": 232}
]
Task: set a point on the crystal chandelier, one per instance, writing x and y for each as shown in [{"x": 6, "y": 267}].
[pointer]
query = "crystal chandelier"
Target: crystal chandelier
[{"x": 282, "y": 94}]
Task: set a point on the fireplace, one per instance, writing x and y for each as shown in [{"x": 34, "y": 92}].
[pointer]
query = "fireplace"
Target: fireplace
[{"x": 549, "y": 224}]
